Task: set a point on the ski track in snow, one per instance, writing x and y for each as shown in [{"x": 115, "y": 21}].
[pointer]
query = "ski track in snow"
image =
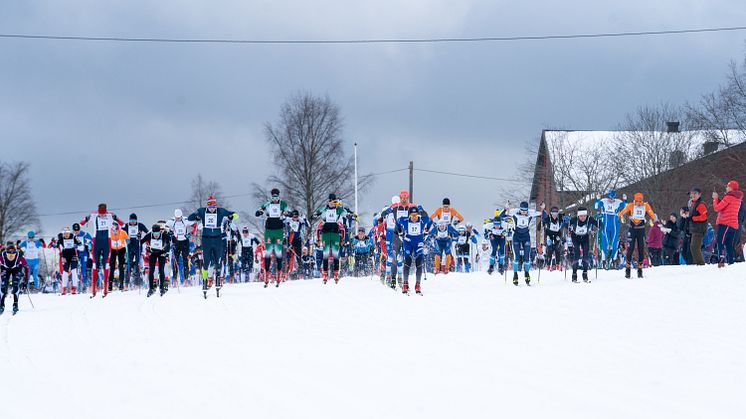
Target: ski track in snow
[{"x": 669, "y": 345}]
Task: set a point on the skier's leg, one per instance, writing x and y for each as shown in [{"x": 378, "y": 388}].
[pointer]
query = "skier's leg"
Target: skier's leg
[{"x": 162, "y": 273}]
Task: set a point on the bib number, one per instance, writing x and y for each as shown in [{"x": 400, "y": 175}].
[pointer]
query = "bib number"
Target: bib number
[
  {"x": 414, "y": 229},
  {"x": 638, "y": 213},
  {"x": 211, "y": 220},
  {"x": 68, "y": 243},
  {"x": 274, "y": 211},
  {"x": 133, "y": 230},
  {"x": 103, "y": 223},
  {"x": 156, "y": 244}
]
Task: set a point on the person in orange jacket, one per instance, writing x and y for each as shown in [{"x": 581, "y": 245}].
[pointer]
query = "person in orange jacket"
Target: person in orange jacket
[
  {"x": 638, "y": 211},
  {"x": 447, "y": 214},
  {"x": 118, "y": 238}
]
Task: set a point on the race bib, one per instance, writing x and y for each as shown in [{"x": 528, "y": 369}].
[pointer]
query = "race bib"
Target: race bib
[
  {"x": 246, "y": 241},
  {"x": 522, "y": 222},
  {"x": 156, "y": 244},
  {"x": 447, "y": 217},
  {"x": 211, "y": 220},
  {"x": 610, "y": 207},
  {"x": 330, "y": 215},
  {"x": 461, "y": 239},
  {"x": 32, "y": 252},
  {"x": 294, "y": 225},
  {"x": 442, "y": 234},
  {"x": 180, "y": 230},
  {"x": 638, "y": 213},
  {"x": 274, "y": 211},
  {"x": 414, "y": 229},
  {"x": 390, "y": 222},
  {"x": 103, "y": 223},
  {"x": 133, "y": 230},
  {"x": 554, "y": 227},
  {"x": 68, "y": 243},
  {"x": 497, "y": 230},
  {"x": 581, "y": 230},
  {"x": 81, "y": 246}
]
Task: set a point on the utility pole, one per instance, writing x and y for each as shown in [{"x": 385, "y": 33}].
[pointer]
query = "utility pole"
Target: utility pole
[{"x": 411, "y": 181}]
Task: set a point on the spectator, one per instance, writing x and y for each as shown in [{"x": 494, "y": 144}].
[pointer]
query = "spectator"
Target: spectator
[
  {"x": 670, "y": 241},
  {"x": 697, "y": 225},
  {"x": 685, "y": 254},
  {"x": 655, "y": 244},
  {"x": 727, "y": 221},
  {"x": 737, "y": 240}
]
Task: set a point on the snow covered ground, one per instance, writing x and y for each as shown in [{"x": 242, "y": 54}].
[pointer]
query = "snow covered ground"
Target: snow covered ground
[{"x": 672, "y": 345}]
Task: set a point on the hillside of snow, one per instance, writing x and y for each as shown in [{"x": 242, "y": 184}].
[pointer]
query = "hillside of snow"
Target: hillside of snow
[{"x": 671, "y": 345}]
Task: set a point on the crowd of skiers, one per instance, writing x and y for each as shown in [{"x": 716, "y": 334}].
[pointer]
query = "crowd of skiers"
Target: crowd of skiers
[{"x": 208, "y": 247}]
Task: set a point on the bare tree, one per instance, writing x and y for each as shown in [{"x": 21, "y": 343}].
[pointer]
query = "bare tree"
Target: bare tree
[
  {"x": 201, "y": 190},
  {"x": 309, "y": 154},
  {"x": 17, "y": 207}
]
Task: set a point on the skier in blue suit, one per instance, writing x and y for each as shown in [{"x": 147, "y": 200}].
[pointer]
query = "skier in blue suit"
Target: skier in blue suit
[{"x": 609, "y": 209}]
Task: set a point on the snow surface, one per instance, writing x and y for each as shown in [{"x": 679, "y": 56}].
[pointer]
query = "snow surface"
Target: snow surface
[{"x": 671, "y": 345}]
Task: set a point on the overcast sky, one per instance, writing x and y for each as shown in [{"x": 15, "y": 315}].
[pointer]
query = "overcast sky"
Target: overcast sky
[{"x": 131, "y": 124}]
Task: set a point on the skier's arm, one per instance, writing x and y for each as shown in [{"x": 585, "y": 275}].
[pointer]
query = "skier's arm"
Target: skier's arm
[
  {"x": 85, "y": 220},
  {"x": 649, "y": 211},
  {"x": 457, "y": 215}
]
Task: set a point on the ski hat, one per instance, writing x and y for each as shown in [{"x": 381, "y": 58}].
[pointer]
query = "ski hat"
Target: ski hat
[
  {"x": 65, "y": 230},
  {"x": 156, "y": 228},
  {"x": 639, "y": 197},
  {"x": 361, "y": 229},
  {"x": 245, "y": 229},
  {"x": 733, "y": 185},
  {"x": 442, "y": 223},
  {"x": 275, "y": 192},
  {"x": 133, "y": 216},
  {"x": 554, "y": 209},
  {"x": 414, "y": 210},
  {"x": 582, "y": 211},
  {"x": 31, "y": 234},
  {"x": 469, "y": 224},
  {"x": 446, "y": 201},
  {"x": 102, "y": 208},
  {"x": 524, "y": 206},
  {"x": 212, "y": 202},
  {"x": 611, "y": 193},
  {"x": 76, "y": 227},
  {"x": 332, "y": 197},
  {"x": 114, "y": 226},
  {"x": 295, "y": 213},
  {"x": 395, "y": 200},
  {"x": 178, "y": 213},
  {"x": 697, "y": 190},
  {"x": 403, "y": 194}
]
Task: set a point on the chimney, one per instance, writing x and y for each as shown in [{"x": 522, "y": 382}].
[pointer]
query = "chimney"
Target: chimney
[
  {"x": 672, "y": 126},
  {"x": 710, "y": 147}
]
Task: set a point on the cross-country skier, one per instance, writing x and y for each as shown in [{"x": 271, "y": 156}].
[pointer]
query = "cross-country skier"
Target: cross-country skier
[
  {"x": 443, "y": 235},
  {"x": 496, "y": 231},
  {"x": 30, "y": 249},
  {"x": 276, "y": 210},
  {"x": 580, "y": 229},
  {"x": 393, "y": 242},
  {"x": 362, "y": 246},
  {"x": 135, "y": 231},
  {"x": 118, "y": 256},
  {"x": 159, "y": 244},
  {"x": 248, "y": 241},
  {"x": 295, "y": 226},
  {"x": 523, "y": 220},
  {"x": 180, "y": 229},
  {"x": 609, "y": 208},
  {"x": 413, "y": 230},
  {"x": 554, "y": 237},
  {"x": 637, "y": 212},
  {"x": 13, "y": 273},
  {"x": 331, "y": 232},
  {"x": 85, "y": 244},
  {"x": 102, "y": 222},
  {"x": 212, "y": 218},
  {"x": 447, "y": 214},
  {"x": 67, "y": 244}
]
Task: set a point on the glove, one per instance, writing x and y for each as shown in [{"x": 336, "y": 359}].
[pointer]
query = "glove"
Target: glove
[
  {"x": 598, "y": 197},
  {"x": 235, "y": 216},
  {"x": 542, "y": 206},
  {"x": 624, "y": 197},
  {"x": 258, "y": 213}
]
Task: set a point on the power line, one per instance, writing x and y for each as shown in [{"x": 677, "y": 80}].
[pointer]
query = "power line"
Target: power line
[
  {"x": 387, "y": 172},
  {"x": 470, "y": 176},
  {"x": 368, "y": 41}
]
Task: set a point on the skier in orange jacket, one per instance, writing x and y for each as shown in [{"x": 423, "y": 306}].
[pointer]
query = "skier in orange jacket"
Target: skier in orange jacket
[{"x": 637, "y": 210}]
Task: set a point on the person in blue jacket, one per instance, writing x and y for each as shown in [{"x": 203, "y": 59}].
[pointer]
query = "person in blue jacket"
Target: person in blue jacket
[
  {"x": 85, "y": 241},
  {"x": 523, "y": 220},
  {"x": 497, "y": 232},
  {"x": 609, "y": 209},
  {"x": 443, "y": 237},
  {"x": 413, "y": 230},
  {"x": 362, "y": 246},
  {"x": 31, "y": 248}
]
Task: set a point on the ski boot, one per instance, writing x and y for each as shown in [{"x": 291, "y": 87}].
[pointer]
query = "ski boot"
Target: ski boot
[
  {"x": 527, "y": 278},
  {"x": 417, "y": 288},
  {"x": 336, "y": 277},
  {"x": 627, "y": 272},
  {"x": 15, "y": 307},
  {"x": 639, "y": 272},
  {"x": 575, "y": 277},
  {"x": 515, "y": 278},
  {"x": 405, "y": 288},
  {"x": 64, "y": 291},
  {"x": 2, "y": 309},
  {"x": 151, "y": 291},
  {"x": 500, "y": 270},
  {"x": 163, "y": 291},
  {"x": 266, "y": 279},
  {"x": 491, "y": 269},
  {"x": 392, "y": 283},
  {"x": 75, "y": 291},
  {"x": 585, "y": 277}
]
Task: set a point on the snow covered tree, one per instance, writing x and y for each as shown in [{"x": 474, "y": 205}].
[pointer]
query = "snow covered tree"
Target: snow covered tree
[{"x": 17, "y": 207}]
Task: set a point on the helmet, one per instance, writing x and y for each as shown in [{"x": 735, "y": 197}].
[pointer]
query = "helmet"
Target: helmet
[
  {"x": 404, "y": 194},
  {"x": 275, "y": 192},
  {"x": 76, "y": 227},
  {"x": 156, "y": 228},
  {"x": 178, "y": 213},
  {"x": 31, "y": 234},
  {"x": 446, "y": 201},
  {"x": 639, "y": 197},
  {"x": 611, "y": 193},
  {"x": 524, "y": 206},
  {"x": 332, "y": 197},
  {"x": 395, "y": 200}
]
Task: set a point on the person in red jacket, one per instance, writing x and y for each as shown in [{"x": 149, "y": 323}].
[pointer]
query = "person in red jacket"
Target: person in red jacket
[
  {"x": 727, "y": 221},
  {"x": 655, "y": 244}
]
